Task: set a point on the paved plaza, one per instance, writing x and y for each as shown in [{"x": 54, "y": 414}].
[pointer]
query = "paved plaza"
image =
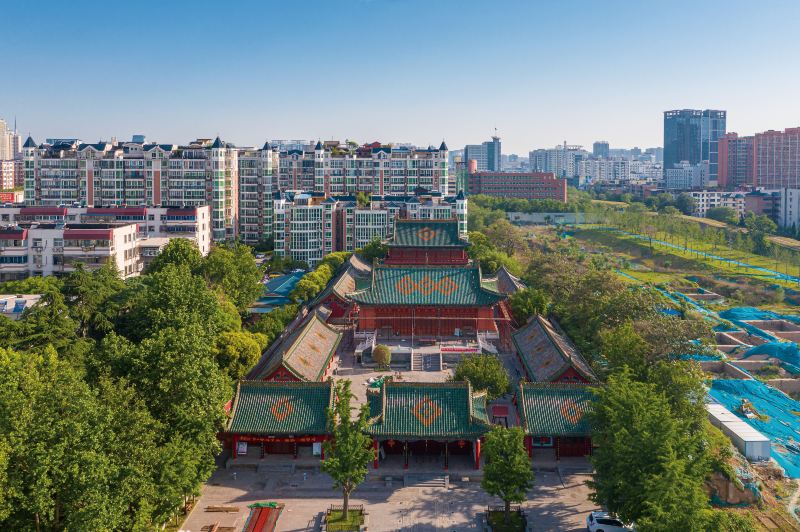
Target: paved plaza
[{"x": 559, "y": 501}]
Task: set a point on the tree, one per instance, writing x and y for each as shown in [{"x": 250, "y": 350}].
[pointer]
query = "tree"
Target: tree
[
  {"x": 233, "y": 270},
  {"x": 89, "y": 296},
  {"x": 484, "y": 372},
  {"x": 170, "y": 298},
  {"x": 505, "y": 237},
  {"x": 723, "y": 214},
  {"x": 237, "y": 352},
  {"x": 649, "y": 467},
  {"x": 507, "y": 473},
  {"x": 348, "y": 453},
  {"x": 685, "y": 203},
  {"x": 527, "y": 302},
  {"x": 374, "y": 250},
  {"x": 179, "y": 252},
  {"x": 382, "y": 355}
]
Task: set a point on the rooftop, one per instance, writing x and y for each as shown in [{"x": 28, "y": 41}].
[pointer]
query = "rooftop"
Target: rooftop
[{"x": 554, "y": 409}]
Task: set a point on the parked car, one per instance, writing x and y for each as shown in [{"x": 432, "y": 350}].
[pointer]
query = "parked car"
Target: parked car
[{"x": 602, "y": 522}]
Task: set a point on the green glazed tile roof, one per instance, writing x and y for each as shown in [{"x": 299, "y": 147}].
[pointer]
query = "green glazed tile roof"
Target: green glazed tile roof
[
  {"x": 447, "y": 411},
  {"x": 269, "y": 408},
  {"x": 306, "y": 352},
  {"x": 547, "y": 353},
  {"x": 554, "y": 409},
  {"x": 427, "y": 285},
  {"x": 427, "y": 234}
]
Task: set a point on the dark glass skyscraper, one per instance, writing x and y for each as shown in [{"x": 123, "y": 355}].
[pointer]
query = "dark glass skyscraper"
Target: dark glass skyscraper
[{"x": 692, "y": 135}]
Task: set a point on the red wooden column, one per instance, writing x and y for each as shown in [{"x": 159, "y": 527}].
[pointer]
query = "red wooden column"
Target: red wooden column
[
  {"x": 529, "y": 446},
  {"x": 477, "y": 454},
  {"x": 375, "y": 447},
  {"x": 322, "y": 449},
  {"x": 235, "y": 445},
  {"x": 446, "y": 454},
  {"x": 405, "y": 455}
]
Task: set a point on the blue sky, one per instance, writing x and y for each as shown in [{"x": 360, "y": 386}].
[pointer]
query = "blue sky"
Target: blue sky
[{"x": 397, "y": 70}]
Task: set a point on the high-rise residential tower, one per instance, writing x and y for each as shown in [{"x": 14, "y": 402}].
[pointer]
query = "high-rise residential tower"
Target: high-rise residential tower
[
  {"x": 691, "y": 135},
  {"x": 488, "y": 155},
  {"x": 600, "y": 149}
]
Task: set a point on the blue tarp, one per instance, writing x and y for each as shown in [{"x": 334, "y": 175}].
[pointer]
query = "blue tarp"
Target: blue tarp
[
  {"x": 782, "y": 424},
  {"x": 786, "y": 352}
]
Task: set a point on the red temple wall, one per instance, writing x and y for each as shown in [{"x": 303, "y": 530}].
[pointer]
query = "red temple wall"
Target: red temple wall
[
  {"x": 281, "y": 374},
  {"x": 426, "y": 256},
  {"x": 427, "y": 321},
  {"x": 570, "y": 375}
]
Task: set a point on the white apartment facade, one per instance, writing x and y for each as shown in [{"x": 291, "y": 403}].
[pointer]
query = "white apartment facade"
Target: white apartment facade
[
  {"x": 337, "y": 169},
  {"x": 563, "y": 160},
  {"x": 308, "y": 226},
  {"x": 709, "y": 199},
  {"x": 603, "y": 170},
  {"x": 685, "y": 176},
  {"x": 789, "y": 210},
  {"x": 193, "y": 223},
  {"x": 103, "y": 174},
  {"x": 650, "y": 171},
  {"x": 56, "y": 249}
]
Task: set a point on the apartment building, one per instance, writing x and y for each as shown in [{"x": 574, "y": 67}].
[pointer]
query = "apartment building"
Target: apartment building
[
  {"x": 193, "y": 223},
  {"x": 528, "y": 185},
  {"x": 789, "y": 208},
  {"x": 650, "y": 171},
  {"x": 686, "y": 176},
  {"x": 487, "y": 156},
  {"x": 257, "y": 168},
  {"x": 709, "y": 199},
  {"x": 57, "y": 248},
  {"x": 8, "y": 174},
  {"x": 597, "y": 170},
  {"x": 770, "y": 159},
  {"x": 563, "y": 161},
  {"x": 10, "y": 144},
  {"x": 337, "y": 169},
  {"x": 309, "y": 225},
  {"x": 204, "y": 172}
]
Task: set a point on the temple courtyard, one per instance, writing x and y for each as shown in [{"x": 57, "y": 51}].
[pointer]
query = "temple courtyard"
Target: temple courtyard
[{"x": 559, "y": 500}]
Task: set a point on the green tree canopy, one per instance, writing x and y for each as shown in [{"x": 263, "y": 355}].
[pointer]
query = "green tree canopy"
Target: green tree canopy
[
  {"x": 527, "y": 302},
  {"x": 507, "y": 473},
  {"x": 484, "y": 372},
  {"x": 650, "y": 468},
  {"x": 233, "y": 269},
  {"x": 348, "y": 453},
  {"x": 178, "y": 252}
]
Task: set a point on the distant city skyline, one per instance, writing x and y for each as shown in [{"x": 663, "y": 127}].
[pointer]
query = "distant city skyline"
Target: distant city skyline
[{"x": 578, "y": 71}]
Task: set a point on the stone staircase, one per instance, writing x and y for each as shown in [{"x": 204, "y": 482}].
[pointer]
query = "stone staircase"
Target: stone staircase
[
  {"x": 421, "y": 480},
  {"x": 276, "y": 468},
  {"x": 417, "y": 360}
]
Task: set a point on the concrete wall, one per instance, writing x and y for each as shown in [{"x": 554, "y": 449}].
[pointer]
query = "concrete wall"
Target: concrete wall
[{"x": 542, "y": 218}]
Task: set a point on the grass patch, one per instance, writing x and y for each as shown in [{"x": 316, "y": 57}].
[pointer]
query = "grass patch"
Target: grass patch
[
  {"x": 497, "y": 520},
  {"x": 336, "y": 520}
]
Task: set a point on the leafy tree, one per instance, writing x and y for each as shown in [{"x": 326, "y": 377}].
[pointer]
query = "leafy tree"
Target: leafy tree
[
  {"x": 484, "y": 372},
  {"x": 723, "y": 214},
  {"x": 382, "y": 355},
  {"x": 178, "y": 252},
  {"x": 646, "y": 468},
  {"x": 527, "y": 302},
  {"x": 685, "y": 203},
  {"x": 55, "y": 468},
  {"x": 348, "y": 453},
  {"x": 505, "y": 237},
  {"x": 32, "y": 285},
  {"x": 507, "y": 473},
  {"x": 90, "y": 297},
  {"x": 237, "y": 352},
  {"x": 376, "y": 249},
  {"x": 233, "y": 269},
  {"x": 170, "y": 298}
]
